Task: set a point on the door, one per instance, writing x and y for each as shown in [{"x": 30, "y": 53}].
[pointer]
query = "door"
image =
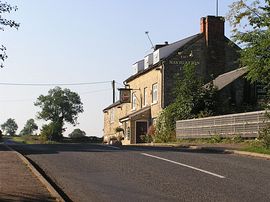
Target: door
[{"x": 141, "y": 130}]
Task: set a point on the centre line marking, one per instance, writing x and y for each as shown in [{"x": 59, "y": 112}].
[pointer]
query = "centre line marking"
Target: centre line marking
[{"x": 184, "y": 165}]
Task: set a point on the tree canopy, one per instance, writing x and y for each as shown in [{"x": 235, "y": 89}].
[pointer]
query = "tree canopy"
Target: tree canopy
[
  {"x": 250, "y": 21},
  {"x": 9, "y": 127},
  {"x": 6, "y": 8},
  {"x": 59, "y": 106},
  {"x": 77, "y": 133},
  {"x": 29, "y": 128}
]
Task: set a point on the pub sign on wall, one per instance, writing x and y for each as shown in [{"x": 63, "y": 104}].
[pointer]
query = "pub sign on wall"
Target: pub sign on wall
[{"x": 124, "y": 95}]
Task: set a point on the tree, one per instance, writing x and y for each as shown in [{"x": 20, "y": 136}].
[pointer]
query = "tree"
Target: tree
[
  {"x": 9, "y": 127},
  {"x": 59, "y": 106},
  {"x": 77, "y": 133},
  {"x": 192, "y": 100},
  {"x": 6, "y": 8},
  {"x": 250, "y": 21},
  {"x": 29, "y": 127},
  {"x": 51, "y": 131}
]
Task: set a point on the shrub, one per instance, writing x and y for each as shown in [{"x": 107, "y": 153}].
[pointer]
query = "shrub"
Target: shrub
[
  {"x": 146, "y": 138},
  {"x": 216, "y": 139},
  {"x": 51, "y": 131},
  {"x": 165, "y": 126},
  {"x": 190, "y": 101},
  {"x": 1, "y": 134},
  {"x": 237, "y": 139},
  {"x": 77, "y": 133},
  {"x": 119, "y": 130},
  {"x": 119, "y": 133},
  {"x": 264, "y": 136}
]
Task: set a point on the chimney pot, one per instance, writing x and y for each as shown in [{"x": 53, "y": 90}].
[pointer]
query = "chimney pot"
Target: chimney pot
[
  {"x": 202, "y": 25},
  {"x": 213, "y": 28}
]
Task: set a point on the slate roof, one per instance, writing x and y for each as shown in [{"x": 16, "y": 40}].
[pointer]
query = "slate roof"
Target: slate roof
[
  {"x": 112, "y": 105},
  {"x": 140, "y": 111},
  {"x": 171, "y": 48},
  {"x": 224, "y": 79},
  {"x": 168, "y": 49}
]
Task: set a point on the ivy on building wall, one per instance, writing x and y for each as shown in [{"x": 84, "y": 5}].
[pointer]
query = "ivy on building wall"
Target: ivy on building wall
[{"x": 192, "y": 100}]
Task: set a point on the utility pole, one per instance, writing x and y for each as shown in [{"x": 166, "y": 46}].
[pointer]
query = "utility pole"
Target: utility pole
[
  {"x": 113, "y": 88},
  {"x": 216, "y": 7}
]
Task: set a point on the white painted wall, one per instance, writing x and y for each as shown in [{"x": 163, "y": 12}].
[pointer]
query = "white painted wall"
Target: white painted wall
[
  {"x": 138, "y": 66},
  {"x": 148, "y": 60}
]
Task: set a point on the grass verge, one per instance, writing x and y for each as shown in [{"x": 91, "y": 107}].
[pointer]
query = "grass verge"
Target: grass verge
[
  {"x": 34, "y": 139},
  {"x": 257, "y": 149},
  {"x": 27, "y": 139},
  {"x": 249, "y": 145}
]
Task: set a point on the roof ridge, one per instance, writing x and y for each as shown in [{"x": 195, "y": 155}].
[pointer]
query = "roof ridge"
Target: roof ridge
[{"x": 229, "y": 72}]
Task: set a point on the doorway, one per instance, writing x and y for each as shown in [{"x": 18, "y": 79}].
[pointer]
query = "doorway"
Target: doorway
[{"x": 141, "y": 130}]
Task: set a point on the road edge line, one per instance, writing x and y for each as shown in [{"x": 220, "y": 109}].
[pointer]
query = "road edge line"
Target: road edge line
[{"x": 40, "y": 177}]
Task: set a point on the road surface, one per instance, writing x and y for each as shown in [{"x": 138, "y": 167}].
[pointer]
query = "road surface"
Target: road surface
[{"x": 88, "y": 172}]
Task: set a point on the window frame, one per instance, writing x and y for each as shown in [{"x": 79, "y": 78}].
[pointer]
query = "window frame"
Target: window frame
[
  {"x": 112, "y": 115},
  {"x": 154, "y": 91},
  {"x": 133, "y": 103},
  {"x": 145, "y": 96}
]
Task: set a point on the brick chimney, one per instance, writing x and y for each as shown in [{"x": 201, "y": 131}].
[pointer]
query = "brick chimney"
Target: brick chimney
[{"x": 213, "y": 28}]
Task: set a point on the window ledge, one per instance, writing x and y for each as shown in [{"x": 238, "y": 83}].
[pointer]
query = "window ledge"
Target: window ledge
[{"x": 154, "y": 103}]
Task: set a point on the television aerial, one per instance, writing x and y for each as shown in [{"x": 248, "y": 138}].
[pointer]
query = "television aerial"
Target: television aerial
[{"x": 147, "y": 33}]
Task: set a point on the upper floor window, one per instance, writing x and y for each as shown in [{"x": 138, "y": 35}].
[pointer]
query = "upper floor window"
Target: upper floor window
[
  {"x": 133, "y": 101},
  {"x": 112, "y": 115},
  {"x": 154, "y": 93},
  {"x": 144, "y": 96}
]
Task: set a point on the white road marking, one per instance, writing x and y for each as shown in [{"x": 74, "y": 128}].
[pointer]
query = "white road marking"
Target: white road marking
[{"x": 184, "y": 165}]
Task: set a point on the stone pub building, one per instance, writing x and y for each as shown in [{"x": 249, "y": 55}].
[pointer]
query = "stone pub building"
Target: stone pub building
[{"x": 214, "y": 56}]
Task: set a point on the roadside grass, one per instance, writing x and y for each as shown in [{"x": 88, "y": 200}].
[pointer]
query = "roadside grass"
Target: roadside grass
[
  {"x": 34, "y": 139},
  {"x": 249, "y": 145},
  {"x": 27, "y": 139},
  {"x": 85, "y": 139},
  {"x": 216, "y": 139},
  {"x": 257, "y": 149}
]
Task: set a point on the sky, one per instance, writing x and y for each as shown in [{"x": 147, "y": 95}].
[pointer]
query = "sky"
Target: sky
[{"x": 85, "y": 41}]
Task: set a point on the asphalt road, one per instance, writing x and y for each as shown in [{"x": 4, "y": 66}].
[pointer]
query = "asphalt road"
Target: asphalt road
[{"x": 101, "y": 173}]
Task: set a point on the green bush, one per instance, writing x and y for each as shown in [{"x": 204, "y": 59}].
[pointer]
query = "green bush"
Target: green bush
[
  {"x": 191, "y": 100},
  {"x": 216, "y": 139},
  {"x": 237, "y": 139},
  {"x": 165, "y": 126},
  {"x": 77, "y": 133},
  {"x": 264, "y": 136},
  {"x": 119, "y": 130},
  {"x": 146, "y": 138},
  {"x": 51, "y": 131}
]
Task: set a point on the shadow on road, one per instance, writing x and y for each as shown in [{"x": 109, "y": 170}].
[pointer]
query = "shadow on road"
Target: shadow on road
[
  {"x": 27, "y": 198},
  {"x": 96, "y": 148},
  {"x": 3, "y": 147}
]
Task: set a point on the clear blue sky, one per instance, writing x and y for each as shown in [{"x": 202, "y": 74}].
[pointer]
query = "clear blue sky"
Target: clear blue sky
[{"x": 67, "y": 41}]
